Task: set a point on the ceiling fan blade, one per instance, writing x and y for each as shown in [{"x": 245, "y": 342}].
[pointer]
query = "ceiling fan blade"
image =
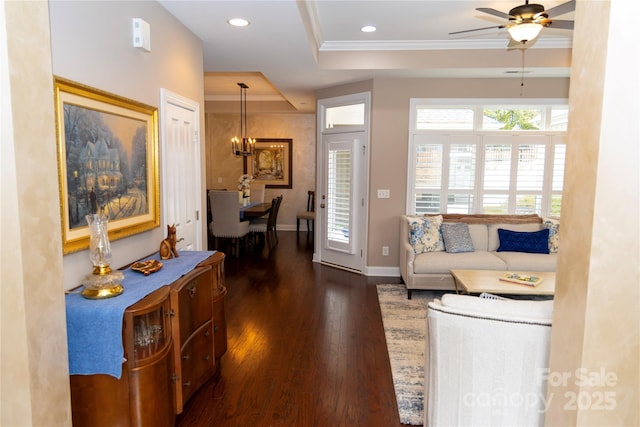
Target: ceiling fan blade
[
  {"x": 494, "y": 12},
  {"x": 561, "y": 9},
  {"x": 561, "y": 24},
  {"x": 478, "y": 29}
]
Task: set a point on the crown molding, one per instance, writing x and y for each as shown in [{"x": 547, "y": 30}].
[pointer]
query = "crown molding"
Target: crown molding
[{"x": 400, "y": 45}]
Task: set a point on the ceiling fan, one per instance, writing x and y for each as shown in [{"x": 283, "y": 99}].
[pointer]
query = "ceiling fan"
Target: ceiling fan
[{"x": 527, "y": 20}]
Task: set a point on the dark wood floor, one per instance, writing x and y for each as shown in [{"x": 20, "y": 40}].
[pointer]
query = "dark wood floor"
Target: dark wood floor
[{"x": 306, "y": 346}]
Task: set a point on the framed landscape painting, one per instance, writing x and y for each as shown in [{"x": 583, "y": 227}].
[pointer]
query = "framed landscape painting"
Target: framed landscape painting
[
  {"x": 107, "y": 162},
  {"x": 271, "y": 163}
]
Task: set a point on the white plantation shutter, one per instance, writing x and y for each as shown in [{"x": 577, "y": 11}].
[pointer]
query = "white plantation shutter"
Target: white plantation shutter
[
  {"x": 339, "y": 196},
  {"x": 463, "y": 162}
]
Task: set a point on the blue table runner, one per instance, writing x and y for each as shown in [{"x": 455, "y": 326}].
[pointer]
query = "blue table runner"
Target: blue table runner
[{"x": 94, "y": 327}]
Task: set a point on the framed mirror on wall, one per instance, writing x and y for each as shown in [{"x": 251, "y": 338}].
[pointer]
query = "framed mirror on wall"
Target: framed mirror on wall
[{"x": 271, "y": 163}]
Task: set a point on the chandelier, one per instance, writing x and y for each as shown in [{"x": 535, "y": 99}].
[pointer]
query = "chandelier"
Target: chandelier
[{"x": 243, "y": 146}]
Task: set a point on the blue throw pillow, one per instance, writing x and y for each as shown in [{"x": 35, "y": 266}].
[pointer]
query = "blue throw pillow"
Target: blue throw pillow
[{"x": 535, "y": 242}]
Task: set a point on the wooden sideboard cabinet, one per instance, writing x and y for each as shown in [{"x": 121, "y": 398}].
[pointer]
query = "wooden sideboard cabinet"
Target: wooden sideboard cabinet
[
  {"x": 142, "y": 396},
  {"x": 173, "y": 340}
]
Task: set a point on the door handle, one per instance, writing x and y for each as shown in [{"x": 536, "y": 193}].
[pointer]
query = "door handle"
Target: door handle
[{"x": 322, "y": 205}]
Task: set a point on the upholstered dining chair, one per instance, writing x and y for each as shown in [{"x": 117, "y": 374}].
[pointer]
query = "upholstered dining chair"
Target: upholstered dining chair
[
  {"x": 225, "y": 215},
  {"x": 309, "y": 215},
  {"x": 267, "y": 226}
]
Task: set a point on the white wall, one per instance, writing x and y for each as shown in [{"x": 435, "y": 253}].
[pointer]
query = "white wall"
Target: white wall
[{"x": 91, "y": 43}]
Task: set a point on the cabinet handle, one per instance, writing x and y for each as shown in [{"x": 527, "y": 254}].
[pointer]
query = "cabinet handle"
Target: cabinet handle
[
  {"x": 207, "y": 333},
  {"x": 187, "y": 384},
  {"x": 207, "y": 358},
  {"x": 186, "y": 357},
  {"x": 215, "y": 328},
  {"x": 192, "y": 290},
  {"x": 175, "y": 377},
  {"x": 171, "y": 313}
]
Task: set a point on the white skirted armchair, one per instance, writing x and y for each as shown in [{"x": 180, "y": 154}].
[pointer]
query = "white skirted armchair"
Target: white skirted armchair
[
  {"x": 486, "y": 361},
  {"x": 225, "y": 215}
]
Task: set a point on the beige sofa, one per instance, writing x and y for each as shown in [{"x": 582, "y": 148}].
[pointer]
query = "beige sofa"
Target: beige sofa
[{"x": 431, "y": 270}]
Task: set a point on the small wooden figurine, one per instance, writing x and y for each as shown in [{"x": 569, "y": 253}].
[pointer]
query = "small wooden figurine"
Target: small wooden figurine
[{"x": 168, "y": 245}]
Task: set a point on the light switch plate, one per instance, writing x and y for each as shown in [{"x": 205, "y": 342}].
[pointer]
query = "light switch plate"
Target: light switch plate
[{"x": 384, "y": 194}]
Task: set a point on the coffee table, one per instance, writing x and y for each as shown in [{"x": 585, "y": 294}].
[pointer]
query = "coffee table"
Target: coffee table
[{"x": 479, "y": 281}]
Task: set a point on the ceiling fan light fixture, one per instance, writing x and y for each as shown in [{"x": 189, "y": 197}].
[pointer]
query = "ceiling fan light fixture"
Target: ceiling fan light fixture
[{"x": 525, "y": 32}]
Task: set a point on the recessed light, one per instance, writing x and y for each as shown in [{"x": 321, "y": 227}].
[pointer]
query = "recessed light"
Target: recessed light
[
  {"x": 368, "y": 29},
  {"x": 238, "y": 22}
]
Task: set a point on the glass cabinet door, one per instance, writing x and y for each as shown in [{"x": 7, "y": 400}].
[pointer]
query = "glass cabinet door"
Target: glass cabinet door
[{"x": 147, "y": 327}]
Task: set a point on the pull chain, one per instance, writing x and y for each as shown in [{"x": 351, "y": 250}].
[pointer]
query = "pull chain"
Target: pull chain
[{"x": 522, "y": 74}]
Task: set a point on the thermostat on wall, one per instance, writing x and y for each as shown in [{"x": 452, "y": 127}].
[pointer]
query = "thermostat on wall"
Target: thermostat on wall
[{"x": 141, "y": 34}]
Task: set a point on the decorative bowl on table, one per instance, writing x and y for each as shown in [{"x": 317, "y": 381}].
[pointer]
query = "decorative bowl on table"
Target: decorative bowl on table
[{"x": 147, "y": 267}]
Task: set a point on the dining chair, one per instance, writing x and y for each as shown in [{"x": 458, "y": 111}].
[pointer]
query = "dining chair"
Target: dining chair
[
  {"x": 267, "y": 227},
  {"x": 257, "y": 193},
  {"x": 309, "y": 215},
  {"x": 225, "y": 215}
]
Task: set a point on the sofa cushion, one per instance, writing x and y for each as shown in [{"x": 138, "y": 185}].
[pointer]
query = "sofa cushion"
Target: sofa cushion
[
  {"x": 479, "y": 236},
  {"x": 492, "y": 231},
  {"x": 443, "y": 262},
  {"x": 522, "y": 261},
  {"x": 424, "y": 233},
  {"x": 456, "y": 237},
  {"x": 554, "y": 228},
  {"x": 534, "y": 242}
]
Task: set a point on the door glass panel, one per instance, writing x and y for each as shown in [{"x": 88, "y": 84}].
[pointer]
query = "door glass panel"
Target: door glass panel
[
  {"x": 339, "y": 197},
  {"x": 345, "y": 115}
]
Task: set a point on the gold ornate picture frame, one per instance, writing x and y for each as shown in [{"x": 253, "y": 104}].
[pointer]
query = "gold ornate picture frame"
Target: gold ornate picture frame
[
  {"x": 271, "y": 163},
  {"x": 107, "y": 162}
]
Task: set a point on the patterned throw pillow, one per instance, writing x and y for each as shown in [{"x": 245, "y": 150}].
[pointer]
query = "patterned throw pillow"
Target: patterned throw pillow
[
  {"x": 535, "y": 242},
  {"x": 456, "y": 237},
  {"x": 424, "y": 233},
  {"x": 554, "y": 238}
]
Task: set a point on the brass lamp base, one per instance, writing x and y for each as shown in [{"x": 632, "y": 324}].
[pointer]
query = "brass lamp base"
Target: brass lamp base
[
  {"x": 103, "y": 293},
  {"x": 103, "y": 283}
]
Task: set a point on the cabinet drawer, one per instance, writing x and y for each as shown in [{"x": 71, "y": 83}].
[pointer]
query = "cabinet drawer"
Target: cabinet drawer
[
  {"x": 197, "y": 360},
  {"x": 191, "y": 301}
]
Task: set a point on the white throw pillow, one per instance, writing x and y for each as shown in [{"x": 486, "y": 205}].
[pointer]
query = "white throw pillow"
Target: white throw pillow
[
  {"x": 424, "y": 233},
  {"x": 554, "y": 238}
]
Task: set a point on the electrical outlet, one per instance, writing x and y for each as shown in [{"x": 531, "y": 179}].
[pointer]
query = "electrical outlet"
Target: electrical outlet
[
  {"x": 384, "y": 194},
  {"x": 385, "y": 251}
]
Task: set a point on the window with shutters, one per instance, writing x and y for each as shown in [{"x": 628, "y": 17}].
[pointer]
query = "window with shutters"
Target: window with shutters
[{"x": 481, "y": 157}]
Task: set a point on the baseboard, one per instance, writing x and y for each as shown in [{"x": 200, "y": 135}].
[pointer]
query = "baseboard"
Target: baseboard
[{"x": 382, "y": 271}]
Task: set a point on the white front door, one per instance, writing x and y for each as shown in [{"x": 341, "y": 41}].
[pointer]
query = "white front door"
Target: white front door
[
  {"x": 341, "y": 202},
  {"x": 343, "y": 132},
  {"x": 181, "y": 190}
]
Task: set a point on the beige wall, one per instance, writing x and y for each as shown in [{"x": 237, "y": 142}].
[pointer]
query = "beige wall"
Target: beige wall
[
  {"x": 91, "y": 43},
  {"x": 220, "y": 127},
  {"x": 595, "y": 342},
  {"x": 390, "y": 135},
  {"x": 33, "y": 360}
]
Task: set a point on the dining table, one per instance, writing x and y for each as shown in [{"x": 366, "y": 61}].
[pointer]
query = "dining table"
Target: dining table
[{"x": 254, "y": 210}]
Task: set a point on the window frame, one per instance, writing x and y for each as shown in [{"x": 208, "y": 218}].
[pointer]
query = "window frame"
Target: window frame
[{"x": 550, "y": 138}]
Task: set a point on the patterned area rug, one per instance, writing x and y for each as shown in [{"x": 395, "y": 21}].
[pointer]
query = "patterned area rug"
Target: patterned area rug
[{"x": 404, "y": 323}]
